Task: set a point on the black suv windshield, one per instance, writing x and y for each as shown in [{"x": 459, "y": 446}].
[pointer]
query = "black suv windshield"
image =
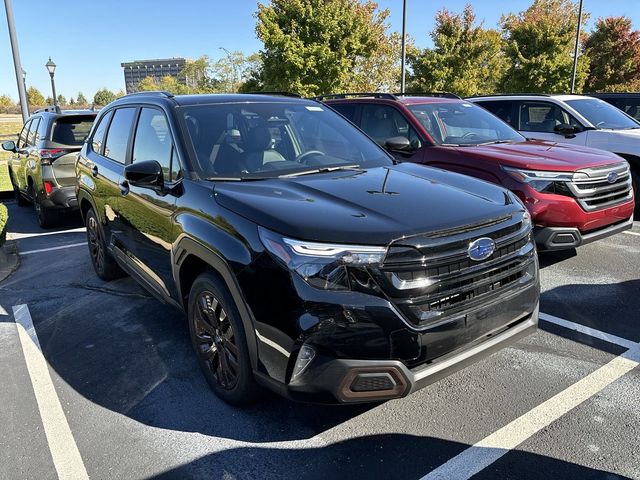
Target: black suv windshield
[
  {"x": 463, "y": 124},
  {"x": 265, "y": 140},
  {"x": 602, "y": 115}
]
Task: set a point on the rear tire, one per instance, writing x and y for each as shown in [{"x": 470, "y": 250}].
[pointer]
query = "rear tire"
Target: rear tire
[
  {"x": 219, "y": 341},
  {"x": 103, "y": 263},
  {"x": 20, "y": 200},
  {"x": 47, "y": 217}
]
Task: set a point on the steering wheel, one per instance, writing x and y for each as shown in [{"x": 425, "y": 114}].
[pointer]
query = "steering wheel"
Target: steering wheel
[
  {"x": 304, "y": 155},
  {"x": 469, "y": 135},
  {"x": 600, "y": 123}
]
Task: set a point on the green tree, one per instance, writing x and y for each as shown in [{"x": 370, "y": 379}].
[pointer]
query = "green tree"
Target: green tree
[
  {"x": 103, "y": 97},
  {"x": 6, "y": 104},
  {"x": 148, "y": 84},
  {"x": 312, "y": 46},
  {"x": 171, "y": 84},
  {"x": 465, "y": 59},
  {"x": 71, "y": 101},
  {"x": 81, "y": 99},
  {"x": 34, "y": 97},
  {"x": 197, "y": 75},
  {"x": 62, "y": 100},
  {"x": 539, "y": 44},
  {"x": 613, "y": 49},
  {"x": 48, "y": 100},
  {"x": 231, "y": 72}
]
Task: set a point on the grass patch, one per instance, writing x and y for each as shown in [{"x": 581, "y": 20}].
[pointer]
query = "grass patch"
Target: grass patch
[
  {"x": 4, "y": 217},
  {"x": 10, "y": 126}
]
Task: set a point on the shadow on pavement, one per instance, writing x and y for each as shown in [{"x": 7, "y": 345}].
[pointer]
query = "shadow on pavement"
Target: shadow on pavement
[{"x": 389, "y": 456}]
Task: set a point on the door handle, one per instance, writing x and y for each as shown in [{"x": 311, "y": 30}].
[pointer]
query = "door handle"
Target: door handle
[
  {"x": 124, "y": 188},
  {"x": 94, "y": 170}
]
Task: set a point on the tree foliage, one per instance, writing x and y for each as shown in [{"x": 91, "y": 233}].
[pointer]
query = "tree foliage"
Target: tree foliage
[
  {"x": 81, "y": 99},
  {"x": 6, "y": 104},
  {"x": 613, "y": 49},
  {"x": 34, "y": 97},
  {"x": 103, "y": 97},
  {"x": 231, "y": 72},
  {"x": 539, "y": 44},
  {"x": 466, "y": 58},
  {"x": 62, "y": 100},
  {"x": 315, "y": 46}
]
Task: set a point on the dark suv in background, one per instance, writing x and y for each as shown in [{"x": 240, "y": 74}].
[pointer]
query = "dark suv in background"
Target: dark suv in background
[
  {"x": 628, "y": 102},
  {"x": 307, "y": 260},
  {"x": 42, "y": 168},
  {"x": 575, "y": 195}
]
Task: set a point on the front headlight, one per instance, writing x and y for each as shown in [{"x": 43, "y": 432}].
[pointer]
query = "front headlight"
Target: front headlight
[
  {"x": 545, "y": 181},
  {"x": 322, "y": 265}
]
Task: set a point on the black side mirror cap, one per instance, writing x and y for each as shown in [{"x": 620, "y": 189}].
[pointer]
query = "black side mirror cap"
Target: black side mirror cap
[
  {"x": 566, "y": 129},
  {"x": 398, "y": 144},
  {"x": 146, "y": 174},
  {"x": 9, "y": 146}
]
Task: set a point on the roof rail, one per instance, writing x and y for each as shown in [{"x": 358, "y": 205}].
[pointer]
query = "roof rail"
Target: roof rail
[
  {"x": 281, "y": 94},
  {"x": 429, "y": 94},
  {"x": 337, "y": 96},
  {"x": 513, "y": 95},
  {"x": 52, "y": 108},
  {"x": 151, "y": 92}
]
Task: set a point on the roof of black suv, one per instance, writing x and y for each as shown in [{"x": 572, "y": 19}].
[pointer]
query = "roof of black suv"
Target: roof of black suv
[{"x": 201, "y": 99}]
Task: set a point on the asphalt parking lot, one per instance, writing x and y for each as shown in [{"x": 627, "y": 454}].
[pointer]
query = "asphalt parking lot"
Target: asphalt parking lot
[{"x": 98, "y": 380}]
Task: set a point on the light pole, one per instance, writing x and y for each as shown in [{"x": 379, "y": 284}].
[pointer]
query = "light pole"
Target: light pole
[
  {"x": 233, "y": 68},
  {"x": 16, "y": 60},
  {"x": 24, "y": 84},
  {"x": 404, "y": 40},
  {"x": 51, "y": 67},
  {"x": 575, "y": 50}
]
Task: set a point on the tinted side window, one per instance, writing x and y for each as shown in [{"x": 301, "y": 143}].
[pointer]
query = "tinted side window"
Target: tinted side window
[
  {"x": 153, "y": 140},
  {"x": 33, "y": 131},
  {"x": 348, "y": 110},
  {"x": 382, "y": 122},
  {"x": 98, "y": 137},
  {"x": 22, "y": 138},
  {"x": 115, "y": 146},
  {"x": 502, "y": 110},
  {"x": 543, "y": 117}
]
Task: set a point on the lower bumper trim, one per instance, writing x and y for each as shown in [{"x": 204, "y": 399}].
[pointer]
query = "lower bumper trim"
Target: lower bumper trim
[{"x": 560, "y": 238}]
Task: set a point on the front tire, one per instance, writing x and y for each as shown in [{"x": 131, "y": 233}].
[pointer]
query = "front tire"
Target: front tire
[
  {"x": 103, "y": 263},
  {"x": 217, "y": 336}
]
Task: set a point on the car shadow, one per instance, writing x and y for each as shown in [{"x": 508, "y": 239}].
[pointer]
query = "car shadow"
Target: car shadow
[
  {"x": 388, "y": 456},
  {"x": 547, "y": 259},
  {"x": 23, "y": 220}
]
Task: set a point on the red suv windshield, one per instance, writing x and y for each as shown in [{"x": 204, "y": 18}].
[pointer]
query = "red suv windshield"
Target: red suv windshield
[{"x": 460, "y": 124}]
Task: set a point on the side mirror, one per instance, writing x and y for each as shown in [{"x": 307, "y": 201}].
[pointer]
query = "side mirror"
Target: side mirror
[
  {"x": 565, "y": 129},
  {"x": 9, "y": 146},
  {"x": 146, "y": 174},
  {"x": 398, "y": 144}
]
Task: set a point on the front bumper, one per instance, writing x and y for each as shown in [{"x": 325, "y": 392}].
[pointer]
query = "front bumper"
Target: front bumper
[{"x": 560, "y": 238}]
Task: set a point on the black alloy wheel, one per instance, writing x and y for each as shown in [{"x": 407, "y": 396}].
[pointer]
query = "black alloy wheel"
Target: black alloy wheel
[{"x": 103, "y": 263}]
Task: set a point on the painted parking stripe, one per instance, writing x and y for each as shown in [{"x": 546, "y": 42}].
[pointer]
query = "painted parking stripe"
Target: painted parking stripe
[
  {"x": 632, "y": 233},
  {"x": 21, "y": 236},
  {"x": 64, "y": 451},
  {"x": 490, "y": 449},
  {"x": 592, "y": 332},
  {"x": 50, "y": 249}
]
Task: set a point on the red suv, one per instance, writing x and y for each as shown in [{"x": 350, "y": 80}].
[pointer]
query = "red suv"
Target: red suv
[{"x": 575, "y": 194}]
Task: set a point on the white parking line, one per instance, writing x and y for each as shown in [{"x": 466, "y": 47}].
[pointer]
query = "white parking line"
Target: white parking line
[
  {"x": 592, "y": 332},
  {"x": 64, "y": 451},
  {"x": 21, "y": 236},
  {"x": 50, "y": 249},
  {"x": 631, "y": 233},
  {"x": 488, "y": 450}
]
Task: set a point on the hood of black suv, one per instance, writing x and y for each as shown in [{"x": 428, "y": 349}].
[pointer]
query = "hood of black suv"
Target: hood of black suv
[{"x": 373, "y": 206}]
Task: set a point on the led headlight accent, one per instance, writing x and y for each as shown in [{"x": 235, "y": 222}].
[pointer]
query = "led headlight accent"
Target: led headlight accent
[{"x": 322, "y": 265}]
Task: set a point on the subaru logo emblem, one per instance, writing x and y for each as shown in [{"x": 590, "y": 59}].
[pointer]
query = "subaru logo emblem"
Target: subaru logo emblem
[
  {"x": 481, "y": 248},
  {"x": 612, "y": 177}
]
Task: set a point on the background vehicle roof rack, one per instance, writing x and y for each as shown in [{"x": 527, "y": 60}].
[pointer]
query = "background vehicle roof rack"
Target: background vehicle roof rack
[
  {"x": 336, "y": 96},
  {"x": 52, "y": 108},
  {"x": 428, "y": 94},
  {"x": 281, "y": 94},
  {"x": 152, "y": 92}
]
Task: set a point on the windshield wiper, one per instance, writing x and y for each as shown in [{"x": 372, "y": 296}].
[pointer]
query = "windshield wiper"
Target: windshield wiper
[
  {"x": 321, "y": 170},
  {"x": 495, "y": 142}
]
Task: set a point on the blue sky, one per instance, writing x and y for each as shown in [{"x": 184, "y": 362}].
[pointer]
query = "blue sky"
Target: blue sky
[{"x": 88, "y": 39}]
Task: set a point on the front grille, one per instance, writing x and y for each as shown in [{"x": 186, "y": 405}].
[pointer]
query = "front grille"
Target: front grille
[
  {"x": 596, "y": 190},
  {"x": 430, "y": 278}
]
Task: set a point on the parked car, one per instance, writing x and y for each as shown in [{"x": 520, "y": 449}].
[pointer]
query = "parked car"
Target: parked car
[
  {"x": 306, "y": 259},
  {"x": 575, "y": 194},
  {"x": 575, "y": 119},
  {"x": 628, "y": 102},
  {"x": 42, "y": 168}
]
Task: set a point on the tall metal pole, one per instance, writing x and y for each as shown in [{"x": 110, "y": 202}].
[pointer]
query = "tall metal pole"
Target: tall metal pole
[
  {"x": 53, "y": 89},
  {"x": 404, "y": 50},
  {"x": 575, "y": 50},
  {"x": 22, "y": 94}
]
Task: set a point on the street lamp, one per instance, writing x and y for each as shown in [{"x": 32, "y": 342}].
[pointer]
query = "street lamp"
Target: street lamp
[
  {"x": 24, "y": 83},
  {"x": 51, "y": 67}
]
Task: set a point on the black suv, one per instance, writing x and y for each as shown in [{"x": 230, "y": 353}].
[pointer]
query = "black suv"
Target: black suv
[
  {"x": 307, "y": 260},
  {"x": 42, "y": 168},
  {"x": 628, "y": 102}
]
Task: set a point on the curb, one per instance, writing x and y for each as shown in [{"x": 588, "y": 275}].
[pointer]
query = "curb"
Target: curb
[{"x": 8, "y": 259}]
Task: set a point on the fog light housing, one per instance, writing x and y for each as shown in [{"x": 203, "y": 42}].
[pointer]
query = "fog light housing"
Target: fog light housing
[{"x": 305, "y": 357}]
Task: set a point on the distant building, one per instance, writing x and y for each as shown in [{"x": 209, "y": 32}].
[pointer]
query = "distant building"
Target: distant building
[{"x": 135, "y": 71}]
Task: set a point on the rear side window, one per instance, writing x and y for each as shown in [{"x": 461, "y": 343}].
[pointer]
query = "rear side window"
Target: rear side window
[
  {"x": 502, "y": 110},
  {"x": 153, "y": 140},
  {"x": 118, "y": 135},
  {"x": 71, "y": 130},
  {"x": 543, "y": 117},
  {"x": 32, "y": 136},
  {"x": 348, "y": 110},
  {"x": 98, "y": 137}
]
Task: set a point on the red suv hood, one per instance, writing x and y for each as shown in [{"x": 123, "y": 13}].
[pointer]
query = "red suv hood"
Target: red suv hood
[{"x": 539, "y": 155}]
